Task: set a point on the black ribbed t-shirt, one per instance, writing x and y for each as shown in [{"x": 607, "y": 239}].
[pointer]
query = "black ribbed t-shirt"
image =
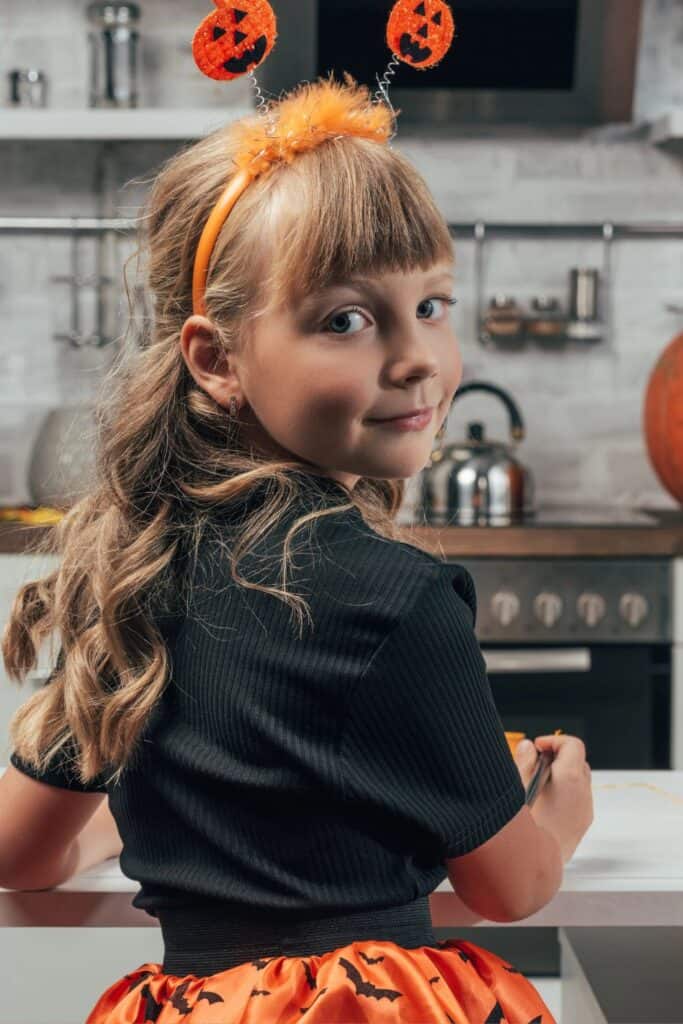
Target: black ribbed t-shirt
[{"x": 331, "y": 772}]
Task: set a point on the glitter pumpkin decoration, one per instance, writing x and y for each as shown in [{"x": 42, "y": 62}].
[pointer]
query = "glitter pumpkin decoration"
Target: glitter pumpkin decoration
[
  {"x": 234, "y": 39},
  {"x": 420, "y": 33}
]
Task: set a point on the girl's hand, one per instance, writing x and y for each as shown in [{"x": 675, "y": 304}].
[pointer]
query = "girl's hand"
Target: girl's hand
[{"x": 564, "y": 806}]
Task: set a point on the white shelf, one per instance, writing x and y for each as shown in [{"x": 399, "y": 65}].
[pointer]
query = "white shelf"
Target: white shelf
[
  {"x": 668, "y": 127},
  {"x": 135, "y": 123}
]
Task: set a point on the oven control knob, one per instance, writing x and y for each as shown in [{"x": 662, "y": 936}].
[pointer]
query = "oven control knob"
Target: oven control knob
[
  {"x": 505, "y": 607},
  {"x": 633, "y": 608},
  {"x": 591, "y": 608},
  {"x": 548, "y": 608}
]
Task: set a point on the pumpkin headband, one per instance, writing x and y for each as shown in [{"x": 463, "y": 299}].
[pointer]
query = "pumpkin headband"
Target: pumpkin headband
[{"x": 234, "y": 40}]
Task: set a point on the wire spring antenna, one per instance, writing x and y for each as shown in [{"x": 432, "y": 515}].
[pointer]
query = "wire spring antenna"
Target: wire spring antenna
[
  {"x": 384, "y": 83},
  {"x": 262, "y": 103},
  {"x": 382, "y": 92}
]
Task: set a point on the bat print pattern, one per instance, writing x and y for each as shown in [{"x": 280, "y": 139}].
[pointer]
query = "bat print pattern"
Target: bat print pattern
[{"x": 453, "y": 975}]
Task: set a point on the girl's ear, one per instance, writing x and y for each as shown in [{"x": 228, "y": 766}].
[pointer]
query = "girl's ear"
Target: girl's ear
[
  {"x": 204, "y": 360},
  {"x": 197, "y": 323},
  {"x": 196, "y": 326}
]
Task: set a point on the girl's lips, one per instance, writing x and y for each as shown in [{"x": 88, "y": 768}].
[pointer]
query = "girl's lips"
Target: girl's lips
[
  {"x": 409, "y": 415},
  {"x": 407, "y": 422}
]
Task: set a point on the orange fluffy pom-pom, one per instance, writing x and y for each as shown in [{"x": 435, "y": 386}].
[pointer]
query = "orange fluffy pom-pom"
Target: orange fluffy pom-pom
[{"x": 305, "y": 118}]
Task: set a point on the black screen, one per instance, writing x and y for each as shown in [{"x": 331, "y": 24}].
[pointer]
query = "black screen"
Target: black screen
[{"x": 499, "y": 44}]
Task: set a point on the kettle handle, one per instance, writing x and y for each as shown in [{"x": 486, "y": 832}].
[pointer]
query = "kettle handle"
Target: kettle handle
[{"x": 516, "y": 422}]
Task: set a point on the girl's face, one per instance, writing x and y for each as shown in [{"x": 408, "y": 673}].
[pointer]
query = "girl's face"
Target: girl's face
[{"x": 312, "y": 378}]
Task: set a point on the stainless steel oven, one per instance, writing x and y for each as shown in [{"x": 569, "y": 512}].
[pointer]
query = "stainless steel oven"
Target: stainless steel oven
[
  {"x": 616, "y": 697},
  {"x": 584, "y": 645}
]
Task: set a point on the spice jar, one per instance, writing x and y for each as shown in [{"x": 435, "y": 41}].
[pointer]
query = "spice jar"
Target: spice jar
[
  {"x": 547, "y": 325},
  {"x": 503, "y": 324}
]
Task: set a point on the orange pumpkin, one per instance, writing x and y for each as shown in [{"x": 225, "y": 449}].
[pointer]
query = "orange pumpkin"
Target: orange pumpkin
[
  {"x": 420, "y": 32},
  {"x": 663, "y": 418},
  {"x": 234, "y": 39}
]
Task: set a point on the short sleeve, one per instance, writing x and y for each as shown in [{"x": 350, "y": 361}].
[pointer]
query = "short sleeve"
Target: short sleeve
[
  {"x": 61, "y": 770},
  {"x": 61, "y": 773},
  {"x": 423, "y": 747}
]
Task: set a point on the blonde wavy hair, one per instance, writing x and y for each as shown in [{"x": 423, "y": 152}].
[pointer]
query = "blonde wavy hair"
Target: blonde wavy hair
[{"x": 168, "y": 456}]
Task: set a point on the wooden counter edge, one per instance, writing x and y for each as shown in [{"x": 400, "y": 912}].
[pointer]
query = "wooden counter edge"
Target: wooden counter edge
[{"x": 453, "y": 542}]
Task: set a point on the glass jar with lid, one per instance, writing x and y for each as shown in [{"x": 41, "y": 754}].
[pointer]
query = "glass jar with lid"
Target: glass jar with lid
[
  {"x": 113, "y": 42},
  {"x": 547, "y": 324},
  {"x": 503, "y": 323}
]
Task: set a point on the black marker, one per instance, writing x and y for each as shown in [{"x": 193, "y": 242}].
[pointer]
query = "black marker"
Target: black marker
[
  {"x": 541, "y": 773},
  {"x": 540, "y": 776}
]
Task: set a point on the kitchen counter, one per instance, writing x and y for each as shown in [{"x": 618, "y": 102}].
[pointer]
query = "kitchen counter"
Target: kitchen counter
[
  {"x": 580, "y": 531},
  {"x": 627, "y": 871},
  {"x": 556, "y": 533}
]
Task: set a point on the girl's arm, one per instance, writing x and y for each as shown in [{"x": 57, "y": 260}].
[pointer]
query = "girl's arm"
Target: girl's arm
[
  {"x": 49, "y": 834},
  {"x": 460, "y": 913},
  {"x": 98, "y": 841}
]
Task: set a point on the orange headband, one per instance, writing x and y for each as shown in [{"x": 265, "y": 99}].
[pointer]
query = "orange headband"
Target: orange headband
[{"x": 419, "y": 32}]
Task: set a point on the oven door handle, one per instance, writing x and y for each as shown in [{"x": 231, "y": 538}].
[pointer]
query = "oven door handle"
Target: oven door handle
[{"x": 557, "y": 659}]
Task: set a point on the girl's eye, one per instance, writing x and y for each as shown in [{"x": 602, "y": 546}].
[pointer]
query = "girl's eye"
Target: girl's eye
[
  {"x": 440, "y": 298},
  {"x": 341, "y": 318}
]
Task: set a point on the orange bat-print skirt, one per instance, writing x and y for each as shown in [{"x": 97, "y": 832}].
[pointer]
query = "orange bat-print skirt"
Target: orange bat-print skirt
[{"x": 377, "y": 981}]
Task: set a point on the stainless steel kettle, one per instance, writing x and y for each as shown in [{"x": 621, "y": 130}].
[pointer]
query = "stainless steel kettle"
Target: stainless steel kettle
[{"x": 478, "y": 482}]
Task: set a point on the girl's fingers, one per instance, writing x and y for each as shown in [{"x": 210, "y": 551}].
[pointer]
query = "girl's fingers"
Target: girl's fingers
[
  {"x": 556, "y": 742},
  {"x": 550, "y": 742}
]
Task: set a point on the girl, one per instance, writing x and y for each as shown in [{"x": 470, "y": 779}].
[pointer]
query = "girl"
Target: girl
[{"x": 278, "y": 689}]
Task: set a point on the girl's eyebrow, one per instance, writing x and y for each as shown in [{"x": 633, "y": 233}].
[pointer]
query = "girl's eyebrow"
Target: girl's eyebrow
[
  {"x": 366, "y": 284},
  {"x": 356, "y": 279}
]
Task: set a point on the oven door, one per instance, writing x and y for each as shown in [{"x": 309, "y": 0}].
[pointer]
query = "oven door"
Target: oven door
[{"x": 615, "y": 697}]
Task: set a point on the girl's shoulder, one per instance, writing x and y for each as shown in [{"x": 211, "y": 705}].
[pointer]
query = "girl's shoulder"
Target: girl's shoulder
[
  {"x": 335, "y": 558},
  {"x": 392, "y": 572}
]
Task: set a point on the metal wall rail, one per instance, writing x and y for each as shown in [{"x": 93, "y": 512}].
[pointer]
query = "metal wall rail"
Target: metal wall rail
[
  {"x": 480, "y": 231},
  {"x": 65, "y": 225},
  {"x": 475, "y": 228},
  {"x": 598, "y": 228}
]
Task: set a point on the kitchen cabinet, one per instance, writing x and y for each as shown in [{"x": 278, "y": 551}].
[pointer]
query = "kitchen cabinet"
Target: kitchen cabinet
[{"x": 621, "y": 976}]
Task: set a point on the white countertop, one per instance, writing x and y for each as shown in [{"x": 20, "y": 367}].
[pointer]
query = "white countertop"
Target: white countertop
[{"x": 628, "y": 870}]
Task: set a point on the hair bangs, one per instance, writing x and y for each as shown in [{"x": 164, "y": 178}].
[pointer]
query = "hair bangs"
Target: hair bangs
[{"x": 348, "y": 207}]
